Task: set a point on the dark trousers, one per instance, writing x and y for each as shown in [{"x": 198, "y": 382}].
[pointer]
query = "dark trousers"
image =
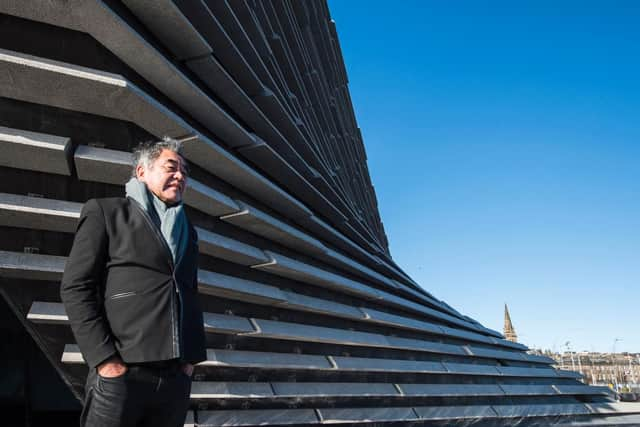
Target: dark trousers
[{"x": 143, "y": 396}]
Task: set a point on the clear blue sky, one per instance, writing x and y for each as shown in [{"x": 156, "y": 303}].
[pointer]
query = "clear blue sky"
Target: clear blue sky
[{"x": 504, "y": 145}]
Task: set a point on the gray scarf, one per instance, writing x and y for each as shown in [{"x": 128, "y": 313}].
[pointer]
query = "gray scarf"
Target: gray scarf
[{"x": 170, "y": 220}]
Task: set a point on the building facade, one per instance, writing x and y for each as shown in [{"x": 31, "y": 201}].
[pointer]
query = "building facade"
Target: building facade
[{"x": 308, "y": 318}]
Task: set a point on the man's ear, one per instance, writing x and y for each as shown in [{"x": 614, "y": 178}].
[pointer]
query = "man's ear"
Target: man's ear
[{"x": 140, "y": 172}]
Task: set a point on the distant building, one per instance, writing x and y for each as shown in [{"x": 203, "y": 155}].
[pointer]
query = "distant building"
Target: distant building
[
  {"x": 509, "y": 332},
  {"x": 619, "y": 370}
]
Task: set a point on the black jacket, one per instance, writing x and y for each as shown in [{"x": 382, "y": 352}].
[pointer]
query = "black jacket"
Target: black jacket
[{"x": 122, "y": 293}]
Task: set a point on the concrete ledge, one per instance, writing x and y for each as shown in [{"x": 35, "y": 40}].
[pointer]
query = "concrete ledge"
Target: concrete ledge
[
  {"x": 336, "y": 415},
  {"x": 541, "y": 410},
  {"x": 47, "y": 312},
  {"x": 451, "y": 390},
  {"x": 239, "y": 289},
  {"x": 257, "y": 222},
  {"x": 252, "y": 417},
  {"x": 455, "y": 412},
  {"x": 35, "y": 151},
  {"x": 38, "y": 213},
  {"x": 208, "y": 200},
  {"x": 17, "y": 265},
  {"x": 103, "y": 165},
  {"x": 175, "y": 31},
  {"x": 44, "y": 81},
  {"x": 226, "y": 390},
  {"x": 290, "y": 268},
  {"x": 223, "y": 247}
]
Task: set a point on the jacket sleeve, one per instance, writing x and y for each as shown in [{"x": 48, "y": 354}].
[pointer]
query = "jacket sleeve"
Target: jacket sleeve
[{"x": 81, "y": 288}]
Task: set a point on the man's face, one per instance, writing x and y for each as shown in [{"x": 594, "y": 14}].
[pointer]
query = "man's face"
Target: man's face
[{"x": 166, "y": 178}]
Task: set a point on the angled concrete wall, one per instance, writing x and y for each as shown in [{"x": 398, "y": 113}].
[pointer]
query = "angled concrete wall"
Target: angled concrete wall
[{"x": 308, "y": 318}]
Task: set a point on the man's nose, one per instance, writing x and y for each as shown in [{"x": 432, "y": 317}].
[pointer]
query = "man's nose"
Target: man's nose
[{"x": 180, "y": 175}]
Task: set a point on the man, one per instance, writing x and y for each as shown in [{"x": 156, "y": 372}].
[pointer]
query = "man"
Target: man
[{"x": 130, "y": 291}]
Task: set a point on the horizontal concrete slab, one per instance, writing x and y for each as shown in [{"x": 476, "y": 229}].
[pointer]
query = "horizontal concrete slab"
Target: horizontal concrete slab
[
  {"x": 582, "y": 390},
  {"x": 103, "y": 165},
  {"x": 258, "y": 222},
  {"x": 391, "y": 365},
  {"x": 227, "y": 390},
  {"x": 323, "y": 306},
  {"x": 226, "y": 324},
  {"x": 267, "y": 360},
  {"x": 527, "y": 389},
  {"x": 225, "y": 286},
  {"x": 30, "y": 266},
  {"x": 38, "y": 213},
  {"x": 223, "y": 247},
  {"x": 454, "y": 412},
  {"x": 517, "y": 371},
  {"x": 296, "y": 331},
  {"x": 471, "y": 369},
  {"x": 47, "y": 312},
  {"x": 451, "y": 390},
  {"x": 335, "y": 415},
  {"x": 334, "y": 389},
  {"x": 540, "y": 410},
  {"x": 35, "y": 151},
  {"x": 290, "y": 268},
  {"x": 252, "y": 417}
]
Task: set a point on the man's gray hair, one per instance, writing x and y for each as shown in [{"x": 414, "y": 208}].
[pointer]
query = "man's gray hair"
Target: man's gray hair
[{"x": 147, "y": 152}]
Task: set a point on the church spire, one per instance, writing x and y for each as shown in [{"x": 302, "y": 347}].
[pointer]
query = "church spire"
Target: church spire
[{"x": 509, "y": 332}]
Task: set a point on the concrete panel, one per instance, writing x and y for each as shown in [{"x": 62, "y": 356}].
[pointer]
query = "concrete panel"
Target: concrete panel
[
  {"x": 340, "y": 260},
  {"x": 257, "y": 222},
  {"x": 208, "y": 200},
  {"x": 446, "y": 390},
  {"x": 97, "y": 92},
  {"x": 404, "y": 322},
  {"x": 335, "y": 415},
  {"x": 516, "y": 371},
  {"x": 317, "y": 305},
  {"x": 454, "y": 412},
  {"x": 189, "y": 420},
  {"x": 44, "y": 81},
  {"x": 296, "y": 331},
  {"x": 267, "y": 360},
  {"x": 226, "y": 324},
  {"x": 495, "y": 354},
  {"x": 290, "y": 268},
  {"x": 388, "y": 365},
  {"x": 226, "y": 390},
  {"x": 470, "y": 369},
  {"x": 221, "y": 285},
  {"x": 72, "y": 355},
  {"x": 229, "y": 249},
  {"x": 252, "y": 417},
  {"x": 471, "y": 336},
  {"x": 540, "y": 410},
  {"x": 174, "y": 30},
  {"x": 568, "y": 374},
  {"x": 38, "y": 213},
  {"x": 534, "y": 358},
  {"x": 35, "y": 151},
  {"x": 97, "y": 19},
  {"x": 582, "y": 390},
  {"x": 615, "y": 407},
  {"x": 220, "y": 163},
  {"x": 47, "y": 312},
  {"x": 103, "y": 165},
  {"x": 528, "y": 390},
  {"x": 29, "y": 266},
  {"x": 428, "y": 346},
  {"x": 334, "y": 389}
]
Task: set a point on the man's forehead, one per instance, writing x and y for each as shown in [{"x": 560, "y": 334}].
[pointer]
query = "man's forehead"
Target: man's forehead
[{"x": 171, "y": 156}]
